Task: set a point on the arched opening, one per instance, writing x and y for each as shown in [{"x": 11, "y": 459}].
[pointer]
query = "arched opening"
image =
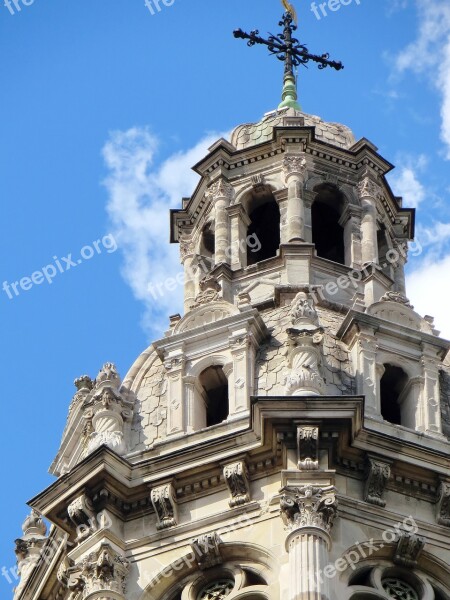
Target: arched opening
[
  {"x": 392, "y": 385},
  {"x": 264, "y": 229},
  {"x": 327, "y": 233},
  {"x": 215, "y": 394},
  {"x": 208, "y": 242}
]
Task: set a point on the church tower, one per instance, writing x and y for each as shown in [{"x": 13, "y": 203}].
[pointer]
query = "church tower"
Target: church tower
[{"x": 288, "y": 438}]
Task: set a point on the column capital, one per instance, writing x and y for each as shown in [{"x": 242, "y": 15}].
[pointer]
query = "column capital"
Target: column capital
[
  {"x": 368, "y": 188},
  {"x": 309, "y": 506},
  {"x": 103, "y": 571},
  {"x": 220, "y": 189},
  {"x": 294, "y": 164}
]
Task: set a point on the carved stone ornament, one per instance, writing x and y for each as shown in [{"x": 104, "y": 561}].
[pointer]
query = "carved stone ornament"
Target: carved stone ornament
[
  {"x": 206, "y": 550},
  {"x": 309, "y": 506},
  {"x": 164, "y": 503},
  {"x": 443, "y": 504},
  {"x": 236, "y": 478},
  {"x": 106, "y": 414},
  {"x": 304, "y": 351},
  {"x": 368, "y": 188},
  {"x": 308, "y": 448},
  {"x": 29, "y": 547},
  {"x": 220, "y": 189},
  {"x": 108, "y": 373},
  {"x": 409, "y": 549},
  {"x": 396, "y": 297},
  {"x": 187, "y": 249},
  {"x": 378, "y": 473},
  {"x": 294, "y": 165},
  {"x": 303, "y": 313},
  {"x": 210, "y": 289},
  {"x": 81, "y": 513},
  {"x": 102, "y": 571}
]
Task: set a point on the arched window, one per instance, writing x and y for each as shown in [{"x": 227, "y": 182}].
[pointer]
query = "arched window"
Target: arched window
[
  {"x": 208, "y": 242},
  {"x": 327, "y": 233},
  {"x": 392, "y": 385},
  {"x": 215, "y": 395},
  {"x": 264, "y": 214}
]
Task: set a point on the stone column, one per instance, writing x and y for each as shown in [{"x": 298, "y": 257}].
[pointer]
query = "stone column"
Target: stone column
[
  {"x": 243, "y": 352},
  {"x": 176, "y": 417},
  {"x": 351, "y": 222},
  {"x": 308, "y": 512},
  {"x": 195, "y": 406},
  {"x": 187, "y": 254},
  {"x": 430, "y": 402},
  {"x": 367, "y": 373},
  {"x": 368, "y": 191},
  {"x": 399, "y": 269},
  {"x": 221, "y": 193},
  {"x": 294, "y": 167},
  {"x": 239, "y": 222}
]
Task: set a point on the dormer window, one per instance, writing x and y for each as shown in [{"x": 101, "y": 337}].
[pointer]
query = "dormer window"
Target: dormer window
[{"x": 327, "y": 232}]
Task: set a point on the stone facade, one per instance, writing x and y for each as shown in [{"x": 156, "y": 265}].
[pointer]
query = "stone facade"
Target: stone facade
[{"x": 288, "y": 437}]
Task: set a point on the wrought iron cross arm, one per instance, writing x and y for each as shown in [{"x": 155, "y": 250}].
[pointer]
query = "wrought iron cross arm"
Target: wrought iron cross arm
[
  {"x": 322, "y": 60},
  {"x": 298, "y": 53}
]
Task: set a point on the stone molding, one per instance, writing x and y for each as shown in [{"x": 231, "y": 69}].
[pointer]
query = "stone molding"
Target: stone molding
[
  {"x": 206, "y": 549},
  {"x": 378, "y": 473},
  {"x": 236, "y": 478},
  {"x": 308, "y": 448},
  {"x": 81, "y": 513},
  {"x": 409, "y": 549},
  {"x": 164, "y": 502},
  {"x": 443, "y": 504}
]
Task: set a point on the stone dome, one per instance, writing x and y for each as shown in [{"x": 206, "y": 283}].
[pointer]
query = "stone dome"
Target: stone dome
[{"x": 251, "y": 134}]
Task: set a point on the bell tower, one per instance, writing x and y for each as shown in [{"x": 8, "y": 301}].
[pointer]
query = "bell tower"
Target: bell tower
[{"x": 288, "y": 437}]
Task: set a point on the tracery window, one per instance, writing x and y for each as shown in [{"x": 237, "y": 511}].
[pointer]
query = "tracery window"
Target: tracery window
[
  {"x": 216, "y": 590},
  {"x": 398, "y": 589},
  {"x": 394, "y": 582}
]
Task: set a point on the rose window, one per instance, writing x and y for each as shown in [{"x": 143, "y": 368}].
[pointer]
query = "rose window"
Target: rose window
[
  {"x": 217, "y": 590},
  {"x": 399, "y": 590}
]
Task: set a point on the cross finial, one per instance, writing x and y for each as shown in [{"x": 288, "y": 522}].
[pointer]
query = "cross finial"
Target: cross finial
[{"x": 289, "y": 50}]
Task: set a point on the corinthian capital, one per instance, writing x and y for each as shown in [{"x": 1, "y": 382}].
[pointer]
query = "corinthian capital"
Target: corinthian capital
[
  {"x": 220, "y": 189},
  {"x": 102, "y": 573},
  {"x": 368, "y": 188},
  {"x": 309, "y": 506},
  {"x": 294, "y": 164}
]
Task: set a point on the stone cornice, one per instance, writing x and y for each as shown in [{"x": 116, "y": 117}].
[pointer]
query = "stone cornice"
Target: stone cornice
[
  {"x": 116, "y": 484},
  {"x": 354, "y": 319},
  {"x": 231, "y": 163}
]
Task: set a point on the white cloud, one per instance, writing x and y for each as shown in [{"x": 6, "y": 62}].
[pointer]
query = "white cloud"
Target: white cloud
[
  {"x": 140, "y": 194},
  {"x": 432, "y": 275},
  {"x": 405, "y": 181},
  {"x": 430, "y": 53}
]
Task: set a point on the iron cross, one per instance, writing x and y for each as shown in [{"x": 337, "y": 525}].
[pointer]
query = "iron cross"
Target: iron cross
[{"x": 287, "y": 48}]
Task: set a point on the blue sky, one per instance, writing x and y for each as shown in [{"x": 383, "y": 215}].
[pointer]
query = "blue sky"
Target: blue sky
[{"x": 103, "y": 109}]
